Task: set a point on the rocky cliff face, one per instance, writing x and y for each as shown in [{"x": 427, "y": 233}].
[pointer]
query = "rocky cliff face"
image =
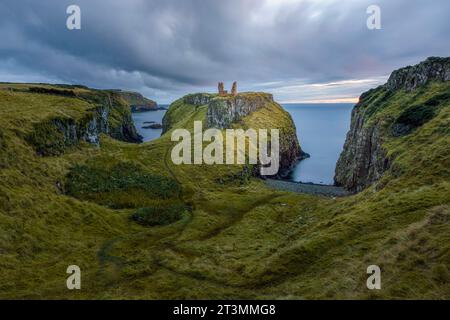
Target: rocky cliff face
[
  {"x": 411, "y": 77},
  {"x": 111, "y": 117},
  {"x": 290, "y": 151},
  {"x": 223, "y": 111},
  {"x": 88, "y": 129},
  {"x": 227, "y": 111},
  {"x": 198, "y": 99},
  {"x": 364, "y": 159}
]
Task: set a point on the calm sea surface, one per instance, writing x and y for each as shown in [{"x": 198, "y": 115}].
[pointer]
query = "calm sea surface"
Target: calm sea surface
[
  {"x": 321, "y": 129},
  {"x": 140, "y": 117}
]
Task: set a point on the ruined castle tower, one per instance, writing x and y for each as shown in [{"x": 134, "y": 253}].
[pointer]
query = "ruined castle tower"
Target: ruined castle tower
[
  {"x": 222, "y": 92},
  {"x": 234, "y": 89}
]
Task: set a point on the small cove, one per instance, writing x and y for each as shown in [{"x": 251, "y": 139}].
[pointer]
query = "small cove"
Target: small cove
[
  {"x": 321, "y": 130},
  {"x": 142, "y": 119}
]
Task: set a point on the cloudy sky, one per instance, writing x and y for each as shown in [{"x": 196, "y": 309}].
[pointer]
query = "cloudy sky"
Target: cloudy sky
[{"x": 299, "y": 50}]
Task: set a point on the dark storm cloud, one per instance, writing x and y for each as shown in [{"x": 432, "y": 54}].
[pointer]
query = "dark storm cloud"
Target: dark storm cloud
[{"x": 298, "y": 49}]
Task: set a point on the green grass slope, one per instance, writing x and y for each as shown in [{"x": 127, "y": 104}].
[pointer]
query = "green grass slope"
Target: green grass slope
[{"x": 228, "y": 235}]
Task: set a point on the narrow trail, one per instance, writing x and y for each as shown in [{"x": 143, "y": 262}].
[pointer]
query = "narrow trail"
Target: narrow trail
[
  {"x": 104, "y": 255},
  {"x": 166, "y": 165},
  {"x": 159, "y": 240},
  {"x": 236, "y": 218}
]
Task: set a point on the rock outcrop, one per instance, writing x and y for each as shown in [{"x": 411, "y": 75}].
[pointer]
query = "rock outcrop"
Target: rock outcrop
[
  {"x": 153, "y": 126},
  {"x": 53, "y": 136},
  {"x": 224, "y": 111},
  {"x": 411, "y": 77},
  {"x": 198, "y": 99},
  {"x": 364, "y": 159},
  {"x": 290, "y": 151},
  {"x": 115, "y": 116},
  {"x": 227, "y": 111},
  {"x": 87, "y": 129}
]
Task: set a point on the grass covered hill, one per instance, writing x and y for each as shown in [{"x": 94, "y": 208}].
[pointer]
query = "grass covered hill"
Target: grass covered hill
[{"x": 141, "y": 227}]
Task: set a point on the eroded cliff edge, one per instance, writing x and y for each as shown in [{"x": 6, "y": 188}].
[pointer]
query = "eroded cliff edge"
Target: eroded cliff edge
[
  {"x": 84, "y": 114},
  {"x": 394, "y": 110},
  {"x": 245, "y": 110}
]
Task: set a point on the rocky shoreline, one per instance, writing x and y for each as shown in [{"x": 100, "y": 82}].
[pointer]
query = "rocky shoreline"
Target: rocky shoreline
[{"x": 308, "y": 188}]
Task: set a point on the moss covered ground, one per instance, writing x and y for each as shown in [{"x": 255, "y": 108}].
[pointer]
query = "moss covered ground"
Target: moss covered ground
[{"x": 236, "y": 238}]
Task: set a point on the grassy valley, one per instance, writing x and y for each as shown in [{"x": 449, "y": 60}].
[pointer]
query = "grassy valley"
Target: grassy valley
[{"x": 141, "y": 227}]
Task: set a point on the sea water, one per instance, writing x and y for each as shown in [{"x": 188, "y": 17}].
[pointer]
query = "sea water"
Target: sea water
[{"x": 321, "y": 130}]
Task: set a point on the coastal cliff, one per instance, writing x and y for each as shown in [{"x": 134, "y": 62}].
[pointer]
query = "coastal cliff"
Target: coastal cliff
[
  {"x": 364, "y": 159},
  {"x": 97, "y": 112},
  {"x": 404, "y": 104},
  {"x": 136, "y": 101},
  {"x": 412, "y": 77},
  {"x": 245, "y": 110},
  {"x": 223, "y": 111}
]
